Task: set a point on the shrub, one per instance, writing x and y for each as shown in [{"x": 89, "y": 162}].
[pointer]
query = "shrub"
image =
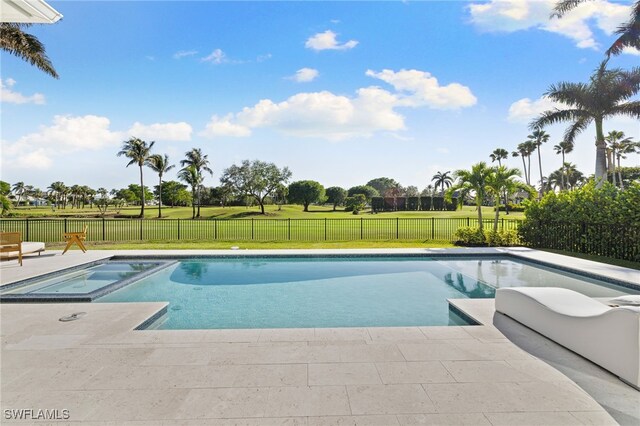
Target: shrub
[
  {"x": 425, "y": 203},
  {"x": 377, "y": 204},
  {"x": 512, "y": 207},
  {"x": 469, "y": 236},
  {"x": 503, "y": 238},
  {"x": 413, "y": 203},
  {"x": 355, "y": 204},
  {"x": 438, "y": 203}
]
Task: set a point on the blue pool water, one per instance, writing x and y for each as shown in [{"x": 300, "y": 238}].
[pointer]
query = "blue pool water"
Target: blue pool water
[{"x": 333, "y": 292}]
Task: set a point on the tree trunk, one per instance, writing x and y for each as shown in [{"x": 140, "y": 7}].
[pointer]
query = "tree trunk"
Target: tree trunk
[
  {"x": 611, "y": 167},
  {"x": 479, "y": 207},
  {"x": 620, "y": 173},
  {"x": 160, "y": 198},
  {"x": 529, "y": 169},
  {"x": 562, "y": 170},
  {"x": 142, "y": 194},
  {"x": 601, "y": 155},
  {"x": 524, "y": 166},
  {"x": 495, "y": 221},
  {"x": 261, "y": 206},
  {"x": 540, "y": 165},
  {"x": 198, "y": 196},
  {"x": 306, "y": 207}
]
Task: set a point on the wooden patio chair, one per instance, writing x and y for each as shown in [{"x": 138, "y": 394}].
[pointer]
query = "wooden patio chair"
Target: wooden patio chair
[
  {"x": 11, "y": 242},
  {"x": 76, "y": 238}
]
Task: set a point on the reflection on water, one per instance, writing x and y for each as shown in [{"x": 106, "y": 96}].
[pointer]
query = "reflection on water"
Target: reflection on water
[{"x": 468, "y": 286}]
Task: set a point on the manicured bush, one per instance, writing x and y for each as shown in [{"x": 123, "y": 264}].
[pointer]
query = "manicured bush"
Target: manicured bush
[
  {"x": 377, "y": 204},
  {"x": 389, "y": 204},
  {"x": 355, "y": 204},
  {"x": 502, "y": 238},
  {"x": 451, "y": 206},
  {"x": 473, "y": 237},
  {"x": 413, "y": 203},
  {"x": 401, "y": 203},
  {"x": 425, "y": 203},
  {"x": 469, "y": 236},
  {"x": 438, "y": 203}
]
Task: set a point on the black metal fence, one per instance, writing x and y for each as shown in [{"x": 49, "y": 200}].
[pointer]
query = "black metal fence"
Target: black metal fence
[
  {"x": 119, "y": 230},
  {"x": 619, "y": 241}
]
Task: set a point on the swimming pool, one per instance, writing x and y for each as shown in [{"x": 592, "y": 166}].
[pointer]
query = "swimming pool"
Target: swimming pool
[{"x": 301, "y": 292}]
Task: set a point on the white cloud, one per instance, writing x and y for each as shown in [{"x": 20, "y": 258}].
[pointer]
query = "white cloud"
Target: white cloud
[
  {"x": 216, "y": 57},
  {"x": 419, "y": 88},
  {"x": 305, "y": 75},
  {"x": 264, "y": 57},
  {"x": 327, "y": 41},
  {"x": 631, "y": 51},
  {"x": 38, "y": 159},
  {"x": 184, "y": 53},
  {"x": 180, "y": 131},
  {"x": 218, "y": 126},
  {"x": 334, "y": 117},
  {"x": 9, "y": 96},
  {"x": 525, "y": 110},
  {"x": 517, "y": 15}
]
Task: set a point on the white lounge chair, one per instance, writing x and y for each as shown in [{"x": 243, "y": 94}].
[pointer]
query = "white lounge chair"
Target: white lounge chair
[{"x": 607, "y": 336}]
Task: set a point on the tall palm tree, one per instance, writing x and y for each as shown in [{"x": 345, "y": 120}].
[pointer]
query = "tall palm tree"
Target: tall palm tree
[
  {"x": 539, "y": 137},
  {"x": 616, "y": 142},
  {"x": 138, "y": 152},
  {"x": 200, "y": 162},
  {"x": 19, "y": 189},
  {"x": 56, "y": 191},
  {"x": 606, "y": 95},
  {"x": 629, "y": 32},
  {"x": 160, "y": 165},
  {"x": 498, "y": 155},
  {"x": 627, "y": 146},
  {"x": 556, "y": 179},
  {"x": 474, "y": 180},
  {"x": 563, "y": 148},
  {"x": 25, "y": 46},
  {"x": 442, "y": 181},
  {"x": 500, "y": 181},
  {"x": 191, "y": 177}
]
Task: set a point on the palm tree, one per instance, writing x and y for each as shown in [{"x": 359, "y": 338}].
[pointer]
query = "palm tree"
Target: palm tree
[
  {"x": 563, "y": 148},
  {"x": 160, "y": 165},
  {"x": 442, "y": 180},
  {"x": 627, "y": 146},
  {"x": 499, "y": 182},
  {"x": 617, "y": 142},
  {"x": 629, "y": 32},
  {"x": 200, "y": 162},
  {"x": 538, "y": 137},
  {"x": 19, "y": 189},
  {"x": 474, "y": 180},
  {"x": 191, "y": 176},
  {"x": 56, "y": 191},
  {"x": 606, "y": 95},
  {"x": 575, "y": 177},
  {"x": 138, "y": 152},
  {"x": 556, "y": 179},
  {"x": 25, "y": 46},
  {"x": 498, "y": 155}
]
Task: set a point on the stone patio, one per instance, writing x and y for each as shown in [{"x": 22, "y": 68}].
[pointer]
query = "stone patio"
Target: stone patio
[{"x": 105, "y": 372}]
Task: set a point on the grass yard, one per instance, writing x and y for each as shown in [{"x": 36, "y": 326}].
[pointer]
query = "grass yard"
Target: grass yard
[{"x": 272, "y": 212}]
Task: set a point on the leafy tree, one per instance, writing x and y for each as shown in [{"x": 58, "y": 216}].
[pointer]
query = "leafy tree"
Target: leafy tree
[
  {"x": 474, "y": 180},
  {"x": 160, "y": 165},
  {"x": 170, "y": 193},
  {"x": 355, "y": 204},
  {"x": 256, "y": 179},
  {"x": 25, "y": 46},
  {"x": 629, "y": 32},
  {"x": 382, "y": 185},
  {"x": 539, "y": 137},
  {"x": 139, "y": 195},
  {"x": 498, "y": 155},
  {"x": 365, "y": 190},
  {"x": 127, "y": 195},
  {"x": 200, "y": 163},
  {"x": 501, "y": 181},
  {"x": 191, "y": 176},
  {"x": 606, "y": 95},
  {"x": 442, "y": 181},
  {"x": 5, "y": 203},
  {"x": 137, "y": 151},
  {"x": 412, "y": 191},
  {"x": 336, "y": 196},
  {"x": 280, "y": 195},
  {"x": 306, "y": 192}
]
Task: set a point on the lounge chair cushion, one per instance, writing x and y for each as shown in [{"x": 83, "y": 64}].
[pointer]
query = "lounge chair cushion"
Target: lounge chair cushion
[
  {"x": 27, "y": 247},
  {"x": 609, "y": 337}
]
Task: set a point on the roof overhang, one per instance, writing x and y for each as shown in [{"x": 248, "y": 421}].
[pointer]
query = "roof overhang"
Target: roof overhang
[{"x": 28, "y": 11}]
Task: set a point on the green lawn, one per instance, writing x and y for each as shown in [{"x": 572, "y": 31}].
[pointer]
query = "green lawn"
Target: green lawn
[{"x": 272, "y": 212}]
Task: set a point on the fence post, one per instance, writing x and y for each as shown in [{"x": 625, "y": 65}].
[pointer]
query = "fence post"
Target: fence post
[
  {"x": 27, "y": 231},
  {"x": 397, "y": 228},
  {"x": 140, "y": 229},
  {"x": 104, "y": 234},
  {"x": 215, "y": 229},
  {"x": 325, "y": 229},
  {"x": 252, "y": 228},
  {"x": 468, "y": 222},
  {"x": 361, "y": 233},
  {"x": 289, "y": 229},
  {"x": 65, "y": 225},
  {"x": 502, "y": 224},
  {"x": 433, "y": 228}
]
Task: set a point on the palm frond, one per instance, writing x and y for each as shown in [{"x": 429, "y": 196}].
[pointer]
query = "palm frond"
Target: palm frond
[
  {"x": 576, "y": 128},
  {"x": 25, "y": 46},
  {"x": 564, "y": 6},
  {"x": 557, "y": 116},
  {"x": 571, "y": 94},
  {"x": 630, "y": 109},
  {"x": 629, "y": 33}
]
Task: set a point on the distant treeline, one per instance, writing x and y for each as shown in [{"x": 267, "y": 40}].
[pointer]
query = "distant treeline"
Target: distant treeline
[{"x": 393, "y": 204}]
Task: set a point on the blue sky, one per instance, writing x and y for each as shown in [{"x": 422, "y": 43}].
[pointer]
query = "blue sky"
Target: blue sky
[{"x": 340, "y": 92}]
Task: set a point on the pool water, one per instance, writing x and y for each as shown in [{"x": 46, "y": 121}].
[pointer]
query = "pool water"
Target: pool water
[
  {"x": 77, "y": 283},
  {"x": 333, "y": 292}
]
